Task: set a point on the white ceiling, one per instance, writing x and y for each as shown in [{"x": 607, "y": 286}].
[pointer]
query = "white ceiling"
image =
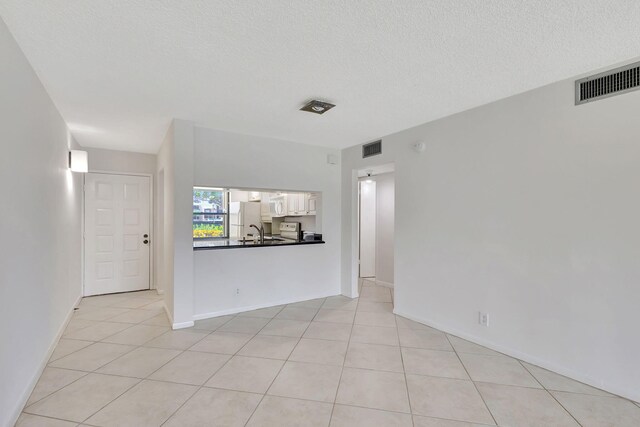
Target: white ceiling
[{"x": 120, "y": 70}]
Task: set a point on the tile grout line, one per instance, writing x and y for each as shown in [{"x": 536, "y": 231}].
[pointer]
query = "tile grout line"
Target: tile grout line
[
  {"x": 472, "y": 381},
  {"x": 113, "y": 400},
  {"x": 198, "y": 387},
  {"x": 86, "y": 374},
  {"x": 42, "y": 398},
  {"x": 344, "y": 360},
  {"x": 47, "y": 417},
  {"x": 76, "y": 370},
  {"x": 549, "y": 392},
  {"x": 283, "y": 365},
  {"x": 201, "y": 386},
  {"x": 140, "y": 380},
  {"x": 206, "y": 333},
  {"x": 404, "y": 370},
  {"x": 135, "y": 347}
]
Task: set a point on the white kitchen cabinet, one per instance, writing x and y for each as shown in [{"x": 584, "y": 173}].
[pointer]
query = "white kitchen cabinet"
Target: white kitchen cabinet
[
  {"x": 312, "y": 203},
  {"x": 299, "y": 204},
  {"x": 292, "y": 203},
  {"x": 255, "y": 196},
  {"x": 296, "y": 204},
  {"x": 301, "y": 208},
  {"x": 265, "y": 208}
]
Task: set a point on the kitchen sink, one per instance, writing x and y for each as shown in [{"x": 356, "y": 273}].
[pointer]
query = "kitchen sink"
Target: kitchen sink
[{"x": 266, "y": 239}]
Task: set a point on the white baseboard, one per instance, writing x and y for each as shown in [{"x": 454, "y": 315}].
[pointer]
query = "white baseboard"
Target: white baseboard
[
  {"x": 257, "y": 306},
  {"x": 179, "y": 325},
  {"x": 551, "y": 366},
  {"x": 182, "y": 325},
  {"x": 24, "y": 397}
]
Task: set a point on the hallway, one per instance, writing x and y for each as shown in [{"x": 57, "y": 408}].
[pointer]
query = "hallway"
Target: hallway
[{"x": 332, "y": 361}]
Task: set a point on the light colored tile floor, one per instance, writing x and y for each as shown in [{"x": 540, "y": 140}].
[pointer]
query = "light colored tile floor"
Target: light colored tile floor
[{"x": 328, "y": 362}]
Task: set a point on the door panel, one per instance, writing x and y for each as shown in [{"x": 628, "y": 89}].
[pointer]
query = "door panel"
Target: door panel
[{"x": 117, "y": 211}]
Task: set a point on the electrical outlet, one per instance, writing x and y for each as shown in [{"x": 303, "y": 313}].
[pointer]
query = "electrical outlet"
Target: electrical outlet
[
  {"x": 483, "y": 318},
  {"x": 237, "y": 291}
]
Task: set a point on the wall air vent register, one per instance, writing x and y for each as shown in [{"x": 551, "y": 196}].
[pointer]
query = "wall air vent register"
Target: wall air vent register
[
  {"x": 610, "y": 83},
  {"x": 372, "y": 149}
]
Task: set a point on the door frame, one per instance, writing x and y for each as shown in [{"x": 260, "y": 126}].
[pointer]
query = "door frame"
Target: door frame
[
  {"x": 352, "y": 289},
  {"x": 360, "y": 181},
  {"x": 152, "y": 282}
]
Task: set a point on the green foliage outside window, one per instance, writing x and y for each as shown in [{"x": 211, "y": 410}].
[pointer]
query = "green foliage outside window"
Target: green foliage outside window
[{"x": 207, "y": 230}]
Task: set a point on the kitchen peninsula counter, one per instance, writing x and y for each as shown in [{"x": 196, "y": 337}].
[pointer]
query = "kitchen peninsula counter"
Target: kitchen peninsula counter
[{"x": 236, "y": 243}]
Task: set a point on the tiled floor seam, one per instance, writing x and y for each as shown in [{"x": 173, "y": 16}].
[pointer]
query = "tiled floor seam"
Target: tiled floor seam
[
  {"x": 281, "y": 367},
  {"x": 115, "y": 375},
  {"x": 77, "y": 370},
  {"x": 344, "y": 359},
  {"x": 111, "y": 401},
  {"x": 201, "y": 386},
  {"x": 472, "y": 382},
  {"x": 101, "y": 366},
  {"x": 404, "y": 370},
  {"x": 44, "y": 397},
  {"x": 208, "y": 332},
  {"x": 549, "y": 393}
]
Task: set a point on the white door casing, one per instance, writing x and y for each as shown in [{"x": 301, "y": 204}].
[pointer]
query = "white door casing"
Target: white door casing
[{"x": 117, "y": 218}]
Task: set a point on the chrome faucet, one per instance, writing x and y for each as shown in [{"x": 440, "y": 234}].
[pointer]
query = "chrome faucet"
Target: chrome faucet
[{"x": 260, "y": 230}]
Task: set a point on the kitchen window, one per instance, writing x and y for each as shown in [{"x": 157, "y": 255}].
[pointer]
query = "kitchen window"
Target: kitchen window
[{"x": 210, "y": 213}]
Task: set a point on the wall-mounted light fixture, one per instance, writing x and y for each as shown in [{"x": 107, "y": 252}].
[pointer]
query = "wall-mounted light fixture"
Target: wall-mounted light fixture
[{"x": 79, "y": 161}]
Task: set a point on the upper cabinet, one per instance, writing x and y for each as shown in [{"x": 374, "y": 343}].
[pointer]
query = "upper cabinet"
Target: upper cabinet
[
  {"x": 313, "y": 201},
  {"x": 299, "y": 204},
  {"x": 265, "y": 207}
]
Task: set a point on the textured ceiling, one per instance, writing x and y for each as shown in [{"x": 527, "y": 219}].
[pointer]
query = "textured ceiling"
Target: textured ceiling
[{"x": 120, "y": 70}]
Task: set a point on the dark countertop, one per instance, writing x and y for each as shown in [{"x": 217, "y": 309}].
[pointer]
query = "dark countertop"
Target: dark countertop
[{"x": 199, "y": 245}]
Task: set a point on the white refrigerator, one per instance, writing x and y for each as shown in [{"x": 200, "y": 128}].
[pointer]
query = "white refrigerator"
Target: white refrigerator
[{"x": 241, "y": 216}]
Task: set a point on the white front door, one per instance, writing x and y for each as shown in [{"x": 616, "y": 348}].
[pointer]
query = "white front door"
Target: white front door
[{"x": 117, "y": 233}]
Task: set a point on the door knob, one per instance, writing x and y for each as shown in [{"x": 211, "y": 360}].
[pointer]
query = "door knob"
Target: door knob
[
  {"x": 145, "y": 236},
  {"x": 145, "y": 241}
]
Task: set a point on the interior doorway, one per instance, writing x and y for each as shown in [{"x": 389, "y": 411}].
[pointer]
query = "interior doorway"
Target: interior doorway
[
  {"x": 117, "y": 236},
  {"x": 376, "y": 212}
]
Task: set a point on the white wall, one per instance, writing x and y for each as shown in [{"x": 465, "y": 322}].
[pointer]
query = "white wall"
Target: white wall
[
  {"x": 164, "y": 247},
  {"x": 266, "y": 276},
  {"x": 183, "y": 181},
  {"x": 101, "y": 160},
  {"x": 527, "y": 209},
  {"x": 40, "y": 218},
  {"x": 385, "y": 211}
]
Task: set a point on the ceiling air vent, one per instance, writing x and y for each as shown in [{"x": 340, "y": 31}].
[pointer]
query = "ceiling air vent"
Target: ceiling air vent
[
  {"x": 610, "y": 83},
  {"x": 372, "y": 149}
]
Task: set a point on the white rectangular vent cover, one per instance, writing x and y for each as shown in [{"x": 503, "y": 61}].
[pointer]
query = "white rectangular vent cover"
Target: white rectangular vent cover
[
  {"x": 610, "y": 83},
  {"x": 372, "y": 149}
]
